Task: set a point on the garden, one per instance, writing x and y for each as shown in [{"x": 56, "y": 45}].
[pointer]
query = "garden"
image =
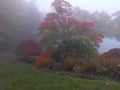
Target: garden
[
  {"x": 68, "y": 45},
  {"x": 63, "y": 55}
]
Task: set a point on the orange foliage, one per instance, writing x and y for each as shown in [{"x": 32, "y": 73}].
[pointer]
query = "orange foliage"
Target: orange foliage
[
  {"x": 69, "y": 63},
  {"x": 88, "y": 67},
  {"x": 85, "y": 66},
  {"x": 44, "y": 59}
]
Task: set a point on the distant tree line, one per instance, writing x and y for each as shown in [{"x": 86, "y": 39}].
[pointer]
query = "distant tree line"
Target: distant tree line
[
  {"x": 18, "y": 20},
  {"x": 107, "y": 24}
]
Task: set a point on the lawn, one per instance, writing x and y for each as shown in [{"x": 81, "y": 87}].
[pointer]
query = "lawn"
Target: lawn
[{"x": 16, "y": 75}]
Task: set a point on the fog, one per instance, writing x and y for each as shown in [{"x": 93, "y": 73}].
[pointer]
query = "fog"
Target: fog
[
  {"x": 45, "y": 42},
  {"x": 20, "y": 19},
  {"x": 92, "y": 6}
]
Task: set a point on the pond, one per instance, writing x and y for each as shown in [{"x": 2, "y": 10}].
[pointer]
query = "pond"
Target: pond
[{"x": 108, "y": 43}]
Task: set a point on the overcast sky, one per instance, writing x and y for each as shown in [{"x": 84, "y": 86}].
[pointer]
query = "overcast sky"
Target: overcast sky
[{"x": 109, "y": 6}]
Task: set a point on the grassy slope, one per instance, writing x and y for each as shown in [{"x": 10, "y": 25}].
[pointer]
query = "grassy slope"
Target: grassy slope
[{"x": 15, "y": 75}]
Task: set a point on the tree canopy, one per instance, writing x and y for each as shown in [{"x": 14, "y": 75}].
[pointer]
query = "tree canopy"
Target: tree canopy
[{"x": 61, "y": 24}]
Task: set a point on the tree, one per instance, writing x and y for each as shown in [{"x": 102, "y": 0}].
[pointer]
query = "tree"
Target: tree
[
  {"x": 103, "y": 21},
  {"x": 82, "y": 15},
  {"x": 60, "y": 24},
  {"x": 116, "y": 23},
  {"x": 116, "y": 19}
]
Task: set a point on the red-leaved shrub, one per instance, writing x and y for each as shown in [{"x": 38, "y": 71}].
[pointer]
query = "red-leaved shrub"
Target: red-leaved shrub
[
  {"x": 111, "y": 59},
  {"x": 28, "y": 47},
  {"x": 112, "y": 53}
]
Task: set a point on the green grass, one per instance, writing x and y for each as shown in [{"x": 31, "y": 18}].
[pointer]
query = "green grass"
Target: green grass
[{"x": 15, "y": 75}]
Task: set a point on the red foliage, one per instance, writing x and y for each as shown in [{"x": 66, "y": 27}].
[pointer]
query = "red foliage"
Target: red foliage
[
  {"x": 97, "y": 39},
  {"x": 43, "y": 59},
  {"x": 60, "y": 24},
  {"x": 62, "y": 7},
  {"x": 113, "y": 53},
  {"x": 28, "y": 47},
  {"x": 79, "y": 27},
  {"x": 112, "y": 58},
  {"x": 49, "y": 21}
]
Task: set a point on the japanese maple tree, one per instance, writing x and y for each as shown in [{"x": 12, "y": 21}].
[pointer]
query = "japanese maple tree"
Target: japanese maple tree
[
  {"x": 60, "y": 24},
  {"x": 28, "y": 47}
]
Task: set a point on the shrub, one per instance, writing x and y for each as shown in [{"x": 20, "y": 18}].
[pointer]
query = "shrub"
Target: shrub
[
  {"x": 82, "y": 65},
  {"x": 112, "y": 53},
  {"x": 111, "y": 65},
  {"x": 28, "y": 47},
  {"x": 58, "y": 66},
  {"x": 90, "y": 67},
  {"x": 111, "y": 59},
  {"x": 44, "y": 60},
  {"x": 69, "y": 63},
  {"x": 77, "y": 47}
]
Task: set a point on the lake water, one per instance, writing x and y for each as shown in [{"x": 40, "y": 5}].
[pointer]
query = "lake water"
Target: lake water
[{"x": 107, "y": 44}]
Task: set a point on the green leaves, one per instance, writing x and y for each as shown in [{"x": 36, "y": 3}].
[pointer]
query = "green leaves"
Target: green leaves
[{"x": 77, "y": 47}]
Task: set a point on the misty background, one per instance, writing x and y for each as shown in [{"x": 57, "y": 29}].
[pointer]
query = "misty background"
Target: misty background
[
  {"x": 20, "y": 19},
  {"x": 109, "y": 6}
]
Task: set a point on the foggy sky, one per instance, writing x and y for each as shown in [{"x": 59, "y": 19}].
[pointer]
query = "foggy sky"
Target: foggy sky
[{"x": 109, "y": 6}]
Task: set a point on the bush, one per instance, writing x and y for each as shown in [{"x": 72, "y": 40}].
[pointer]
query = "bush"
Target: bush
[
  {"x": 28, "y": 47},
  {"x": 77, "y": 47},
  {"x": 82, "y": 66},
  {"x": 44, "y": 60},
  {"x": 111, "y": 59},
  {"x": 90, "y": 67},
  {"x": 112, "y": 53},
  {"x": 69, "y": 63},
  {"x": 111, "y": 65}
]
